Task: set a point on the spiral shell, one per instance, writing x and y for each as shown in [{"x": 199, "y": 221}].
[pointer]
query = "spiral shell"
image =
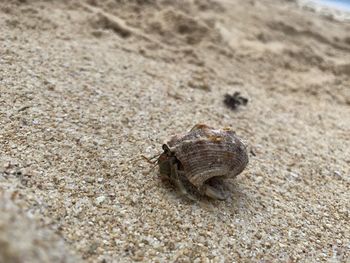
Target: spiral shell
[{"x": 205, "y": 153}]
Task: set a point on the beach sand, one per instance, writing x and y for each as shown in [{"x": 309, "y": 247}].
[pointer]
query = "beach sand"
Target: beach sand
[{"x": 87, "y": 87}]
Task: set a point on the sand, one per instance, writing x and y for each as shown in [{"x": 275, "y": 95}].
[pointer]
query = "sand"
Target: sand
[{"x": 87, "y": 87}]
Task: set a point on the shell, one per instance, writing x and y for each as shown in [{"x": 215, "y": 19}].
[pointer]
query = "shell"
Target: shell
[{"x": 205, "y": 153}]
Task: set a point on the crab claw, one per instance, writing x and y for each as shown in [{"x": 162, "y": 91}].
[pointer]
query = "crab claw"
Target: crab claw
[
  {"x": 215, "y": 193},
  {"x": 215, "y": 188}
]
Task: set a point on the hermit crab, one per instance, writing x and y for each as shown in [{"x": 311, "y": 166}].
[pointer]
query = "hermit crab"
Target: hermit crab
[{"x": 198, "y": 162}]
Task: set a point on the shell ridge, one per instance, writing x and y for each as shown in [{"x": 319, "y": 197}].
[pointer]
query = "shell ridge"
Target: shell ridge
[{"x": 205, "y": 153}]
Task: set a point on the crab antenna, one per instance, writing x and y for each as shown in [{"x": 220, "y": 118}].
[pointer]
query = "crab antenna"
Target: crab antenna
[
  {"x": 149, "y": 160},
  {"x": 154, "y": 162}
]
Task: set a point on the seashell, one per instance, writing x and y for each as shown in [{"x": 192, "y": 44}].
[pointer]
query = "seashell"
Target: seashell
[{"x": 199, "y": 161}]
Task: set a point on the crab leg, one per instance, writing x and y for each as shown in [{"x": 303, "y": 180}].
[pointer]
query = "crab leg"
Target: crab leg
[
  {"x": 214, "y": 193},
  {"x": 176, "y": 179},
  {"x": 215, "y": 189}
]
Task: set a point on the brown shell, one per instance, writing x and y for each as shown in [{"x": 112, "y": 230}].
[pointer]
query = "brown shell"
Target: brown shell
[{"x": 205, "y": 152}]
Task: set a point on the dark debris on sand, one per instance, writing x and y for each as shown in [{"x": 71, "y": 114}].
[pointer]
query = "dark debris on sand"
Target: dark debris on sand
[{"x": 235, "y": 100}]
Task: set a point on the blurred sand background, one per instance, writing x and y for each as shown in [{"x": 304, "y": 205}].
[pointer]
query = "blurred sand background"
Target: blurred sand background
[{"x": 87, "y": 86}]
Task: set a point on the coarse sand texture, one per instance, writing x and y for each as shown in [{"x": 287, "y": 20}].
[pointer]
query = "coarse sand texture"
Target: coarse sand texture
[{"x": 88, "y": 87}]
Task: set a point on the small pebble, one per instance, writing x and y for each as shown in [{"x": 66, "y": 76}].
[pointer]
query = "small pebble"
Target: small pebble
[
  {"x": 337, "y": 173},
  {"x": 99, "y": 200}
]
